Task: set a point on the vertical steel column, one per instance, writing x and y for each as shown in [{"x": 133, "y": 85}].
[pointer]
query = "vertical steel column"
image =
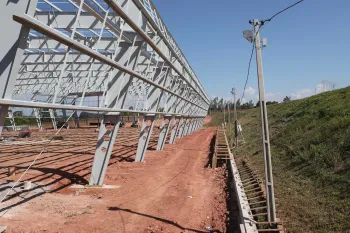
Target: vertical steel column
[
  {"x": 175, "y": 129},
  {"x": 201, "y": 123},
  {"x": 12, "y": 119},
  {"x": 3, "y": 114},
  {"x": 38, "y": 118},
  {"x": 164, "y": 132},
  {"x": 187, "y": 126},
  {"x": 144, "y": 137},
  {"x": 53, "y": 119},
  {"x": 13, "y": 42},
  {"x": 104, "y": 147},
  {"x": 192, "y": 126},
  {"x": 182, "y": 128},
  {"x": 197, "y": 124}
]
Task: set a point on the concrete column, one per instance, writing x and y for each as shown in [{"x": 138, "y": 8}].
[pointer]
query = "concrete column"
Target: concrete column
[
  {"x": 175, "y": 129},
  {"x": 164, "y": 130},
  {"x": 3, "y": 114},
  {"x": 106, "y": 138},
  {"x": 145, "y": 135}
]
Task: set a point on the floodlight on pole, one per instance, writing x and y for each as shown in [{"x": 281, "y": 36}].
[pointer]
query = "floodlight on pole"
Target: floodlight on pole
[{"x": 248, "y": 34}]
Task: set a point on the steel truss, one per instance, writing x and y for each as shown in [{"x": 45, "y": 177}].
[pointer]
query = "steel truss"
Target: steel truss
[{"x": 118, "y": 50}]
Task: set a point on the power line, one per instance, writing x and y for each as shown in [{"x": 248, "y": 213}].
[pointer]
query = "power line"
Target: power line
[
  {"x": 262, "y": 23},
  {"x": 283, "y": 10},
  {"x": 250, "y": 61}
]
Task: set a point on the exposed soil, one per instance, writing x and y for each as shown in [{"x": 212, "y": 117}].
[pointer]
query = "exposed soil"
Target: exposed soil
[{"x": 172, "y": 191}]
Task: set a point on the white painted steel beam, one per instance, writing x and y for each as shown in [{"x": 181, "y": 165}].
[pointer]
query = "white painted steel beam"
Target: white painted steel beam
[
  {"x": 164, "y": 130},
  {"x": 106, "y": 139},
  {"x": 168, "y": 40},
  {"x": 115, "y": 6},
  {"x": 38, "y": 26},
  {"x": 144, "y": 137}
]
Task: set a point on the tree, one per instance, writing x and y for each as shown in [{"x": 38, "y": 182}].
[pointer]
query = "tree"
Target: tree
[
  {"x": 258, "y": 104},
  {"x": 221, "y": 104},
  {"x": 238, "y": 103},
  {"x": 271, "y": 102},
  {"x": 214, "y": 104},
  {"x": 250, "y": 104},
  {"x": 287, "y": 99},
  {"x": 18, "y": 114}
]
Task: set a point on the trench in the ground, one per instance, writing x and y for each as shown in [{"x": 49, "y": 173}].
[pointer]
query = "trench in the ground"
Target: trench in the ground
[{"x": 232, "y": 211}]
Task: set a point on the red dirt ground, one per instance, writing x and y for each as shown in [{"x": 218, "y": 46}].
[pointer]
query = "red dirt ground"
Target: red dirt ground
[{"x": 172, "y": 191}]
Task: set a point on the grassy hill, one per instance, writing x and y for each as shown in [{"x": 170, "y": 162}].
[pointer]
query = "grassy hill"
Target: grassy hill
[{"x": 310, "y": 147}]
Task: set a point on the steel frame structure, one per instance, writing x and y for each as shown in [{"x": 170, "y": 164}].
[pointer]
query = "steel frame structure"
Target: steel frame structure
[{"x": 118, "y": 50}]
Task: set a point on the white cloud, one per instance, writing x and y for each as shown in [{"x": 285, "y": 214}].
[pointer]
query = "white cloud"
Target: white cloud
[
  {"x": 250, "y": 94},
  {"x": 277, "y": 96},
  {"x": 249, "y": 91},
  {"x": 303, "y": 93}
]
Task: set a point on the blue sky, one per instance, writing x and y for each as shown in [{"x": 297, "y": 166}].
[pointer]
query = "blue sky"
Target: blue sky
[{"x": 306, "y": 44}]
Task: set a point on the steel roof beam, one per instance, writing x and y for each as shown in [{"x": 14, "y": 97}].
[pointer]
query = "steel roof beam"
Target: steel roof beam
[
  {"x": 115, "y": 6},
  {"x": 166, "y": 41},
  {"x": 28, "y": 104},
  {"x": 44, "y": 29}
]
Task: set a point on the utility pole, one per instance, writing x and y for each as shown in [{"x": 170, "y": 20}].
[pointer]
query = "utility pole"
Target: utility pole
[
  {"x": 223, "y": 107},
  {"x": 271, "y": 209},
  {"x": 235, "y": 116},
  {"x": 229, "y": 115}
]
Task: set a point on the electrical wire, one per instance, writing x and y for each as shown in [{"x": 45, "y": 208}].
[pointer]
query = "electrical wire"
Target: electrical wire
[
  {"x": 250, "y": 61},
  {"x": 251, "y": 55},
  {"x": 35, "y": 159},
  {"x": 284, "y": 10}
]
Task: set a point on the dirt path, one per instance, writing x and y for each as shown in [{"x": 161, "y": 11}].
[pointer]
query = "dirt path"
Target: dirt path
[{"x": 172, "y": 191}]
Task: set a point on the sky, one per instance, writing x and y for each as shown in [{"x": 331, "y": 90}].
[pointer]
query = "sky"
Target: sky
[{"x": 307, "y": 44}]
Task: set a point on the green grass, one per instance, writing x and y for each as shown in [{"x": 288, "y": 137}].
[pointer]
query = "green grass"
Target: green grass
[{"x": 310, "y": 147}]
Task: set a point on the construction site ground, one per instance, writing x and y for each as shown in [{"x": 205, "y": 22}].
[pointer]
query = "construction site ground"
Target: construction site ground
[{"x": 172, "y": 191}]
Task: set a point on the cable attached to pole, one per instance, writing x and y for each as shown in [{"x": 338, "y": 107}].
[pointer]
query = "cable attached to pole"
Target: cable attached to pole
[
  {"x": 269, "y": 19},
  {"x": 250, "y": 61}
]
